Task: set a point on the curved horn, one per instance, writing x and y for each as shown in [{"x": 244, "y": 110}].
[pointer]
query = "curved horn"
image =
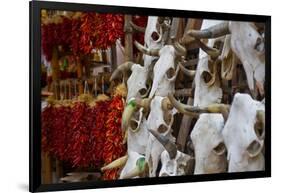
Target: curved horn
[
  {"x": 137, "y": 28},
  {"x": 187, "y": 72},
  {"x": 118, "y": 163},
  {"x": 212, "y": 32},
  {"x": 120, "y": 69},
  {"x": 168, "y": 145},
  {"x": 151, "y": 52},
  {"x": 195, "y": 111},
  {"x": 180, "y": 50},
  {"x": 131, "y": 108},
  {"x": 214, "y": 53},
  {"x": 181, "y": 107}
]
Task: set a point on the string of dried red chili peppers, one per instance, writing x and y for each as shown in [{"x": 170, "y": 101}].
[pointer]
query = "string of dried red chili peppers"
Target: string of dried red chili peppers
[
  {"x": 84, "y": 135},
  {"x": 113, "y": 146}
]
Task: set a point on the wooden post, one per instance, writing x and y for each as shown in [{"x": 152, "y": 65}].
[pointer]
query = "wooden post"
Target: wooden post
[
  {"x": 113, "y": 57},
  {"x": 80, "y": 75},
  {"x": 184, "y": 128},
  {"x": 46, "y": 169},
  {"x": 59, "y": 169},
  {"x": 55, "y": 69},
  {"x": 128, "y": 38}
]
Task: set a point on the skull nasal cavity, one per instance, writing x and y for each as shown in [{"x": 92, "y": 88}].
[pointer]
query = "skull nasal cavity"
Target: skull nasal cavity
[
  {"x": 206, "y": 76},
  {"x": 162, "y": 128},
  {"x": 155, "y": 36},
  {"x": 171, "y": 72}
]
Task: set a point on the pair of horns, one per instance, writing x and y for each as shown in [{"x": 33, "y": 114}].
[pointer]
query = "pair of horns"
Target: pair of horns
[
  {"x": 147, "y": 51},
  {"x": 195, "y": 111},
  {"x": 121, "y": 69},
  {"x": 215, "y": 31},
  {"x": 180, "y": 50}
]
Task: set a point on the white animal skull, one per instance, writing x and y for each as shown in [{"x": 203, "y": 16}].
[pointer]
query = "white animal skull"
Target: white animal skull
[
  {"x": 150, "y": 42},
  {"x": 244, "y": 134},
  {"x": 208, "y": 144},
  {"x": 164, "y": 72},
  {"x": 137, "y": 82},
  {"x": 138, "y": 134},
  {"x": 205, "y": 94},
  {"x": 246, "y": 43},
  {"x": 160, "y": 119}
]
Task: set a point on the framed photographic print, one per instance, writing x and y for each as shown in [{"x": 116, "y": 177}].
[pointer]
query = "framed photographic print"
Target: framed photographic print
[{"x": 125, "y": 96}]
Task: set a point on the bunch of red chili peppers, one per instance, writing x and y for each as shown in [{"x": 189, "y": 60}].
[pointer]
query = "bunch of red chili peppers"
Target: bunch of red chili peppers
[
  {"x": 84, "y": 135},
  {"x": 90, "y": 31}
]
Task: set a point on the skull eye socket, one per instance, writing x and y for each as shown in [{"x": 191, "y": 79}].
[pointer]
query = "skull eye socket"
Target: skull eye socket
[
  {"x": 259, "y": 46},
  {"x": 143, "y": 92},
  {"x": 168, "y": 118},
  {"x": 171, "y": 73},
  {"x": 220, "y": 149},
  {"x": 133, "y": 125},
  {"x": 162, "y": 128},
  {"x": 254, "y": 148},
  {"x": 206, "y": 76},
  {"x": 218, "y": 45},
  {"x": 259, "y": 130},
  {"x": 155, "y": 36}
]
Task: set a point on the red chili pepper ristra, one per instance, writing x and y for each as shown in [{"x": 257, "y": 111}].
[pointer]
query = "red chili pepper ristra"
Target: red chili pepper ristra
[
  {"x": 113, "y": 146},
  {"x": 83, "y": 135}
]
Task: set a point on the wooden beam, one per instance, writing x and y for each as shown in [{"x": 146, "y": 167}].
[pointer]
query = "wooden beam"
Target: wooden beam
[
  {"x": 184, "y": 128},
  {"x": 46, "y": 169},
  {"x": 128, "y": 38}
]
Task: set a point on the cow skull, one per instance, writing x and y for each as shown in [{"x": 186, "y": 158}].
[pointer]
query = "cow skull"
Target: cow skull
[
  {"x": 246, "y": 43},
  {"x": 207, "y": 84},
  {"x": 209, "y": 148},
  {"x": 244, "y": 133},
  {"x": 138, "y": 134},
  {"x": 160, "y": 119},
  {"x": 137, "y": 82},
  {"x": 165, "y": 70}
]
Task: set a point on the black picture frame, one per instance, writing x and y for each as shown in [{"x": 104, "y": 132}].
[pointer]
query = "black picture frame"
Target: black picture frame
[{"x": 35, "y": 103}]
